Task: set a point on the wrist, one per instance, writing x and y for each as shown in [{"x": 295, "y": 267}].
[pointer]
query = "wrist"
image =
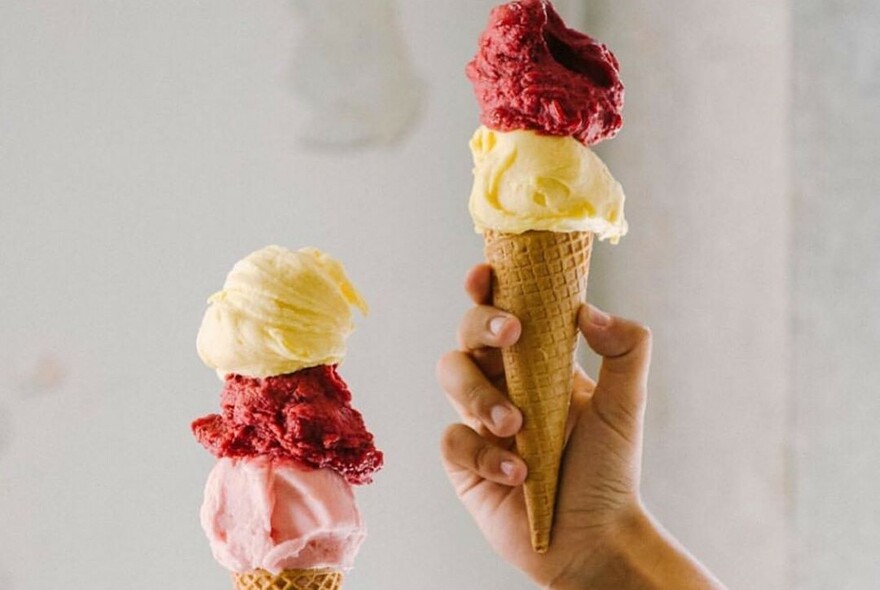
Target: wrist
[
  {"x": 638, "y": 554},
  {"x": 614, "y": 558}
]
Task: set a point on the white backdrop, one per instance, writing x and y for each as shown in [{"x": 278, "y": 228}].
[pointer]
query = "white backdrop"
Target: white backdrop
[
  {"x": 836, "y": 287},
  {"x": 146, "y": 146},
  {"x": 704, "y": 157}
]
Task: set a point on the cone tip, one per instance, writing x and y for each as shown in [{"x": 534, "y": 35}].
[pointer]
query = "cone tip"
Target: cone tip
[{"x": 540, "y": 541}]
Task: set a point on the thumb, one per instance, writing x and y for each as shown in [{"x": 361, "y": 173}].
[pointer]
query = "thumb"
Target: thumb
[{"x": 621, "y": 390}]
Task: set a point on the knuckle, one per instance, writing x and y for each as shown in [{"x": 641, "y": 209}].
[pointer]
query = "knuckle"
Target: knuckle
[
  {"x": 636, "y": 338},
  {"x": 617, "y": 417},
  {"x": 451, "y": 439},
  {"x": 644, "y": 336},
  {"x": 471, "y": 329},
  {"x": 479, "y": 396},
  {"x": 442, "y": 366},
  {"x": 482, "y": 457},
  {"x": 446, "y": 365},
  {"x": 461, "y": 333}
]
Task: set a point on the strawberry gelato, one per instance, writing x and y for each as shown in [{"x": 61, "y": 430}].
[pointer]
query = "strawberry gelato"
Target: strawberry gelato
[
  {"x": 531, "y": 72},
  {"x": 304, "y": 416},
  {"x": 273, "y": 515}
]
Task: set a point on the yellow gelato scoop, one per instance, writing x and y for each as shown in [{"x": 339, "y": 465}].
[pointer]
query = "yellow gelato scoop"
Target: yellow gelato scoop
[
  {"x": 524, "y": 181},
  {"x": 279, "y": 312}
]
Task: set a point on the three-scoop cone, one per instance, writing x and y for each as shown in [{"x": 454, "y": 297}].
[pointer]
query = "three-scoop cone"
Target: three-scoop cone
[
  {"x": 312, "y": 579},
  {"x": 540, "y": 277}
]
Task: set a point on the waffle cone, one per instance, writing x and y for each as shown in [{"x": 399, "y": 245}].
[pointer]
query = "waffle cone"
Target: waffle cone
[
  {"x": 313, "y": 579},
  {"x": 540, "y": 277}
]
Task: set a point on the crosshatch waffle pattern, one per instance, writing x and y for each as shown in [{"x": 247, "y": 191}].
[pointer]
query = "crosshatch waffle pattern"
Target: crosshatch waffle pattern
[
  {"x": 315, "y": 579},
  {"x": 541, "y": 277}
]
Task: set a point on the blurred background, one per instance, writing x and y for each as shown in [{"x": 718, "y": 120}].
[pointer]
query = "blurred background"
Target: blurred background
[{"x": 147, "y": 146}]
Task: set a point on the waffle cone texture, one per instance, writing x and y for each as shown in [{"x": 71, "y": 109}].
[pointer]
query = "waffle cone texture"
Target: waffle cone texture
[
  {"x": 313, "y": 579},
  {"x": 540, "y": 277}
]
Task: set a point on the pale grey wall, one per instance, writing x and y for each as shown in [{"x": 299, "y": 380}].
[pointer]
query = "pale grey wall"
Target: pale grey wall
[
  {"x": 752, "y": 166},
  {"x": 704, "y": 160},
  {"x": 144, "y": 147},
  {"x": 836, "y": 292}
]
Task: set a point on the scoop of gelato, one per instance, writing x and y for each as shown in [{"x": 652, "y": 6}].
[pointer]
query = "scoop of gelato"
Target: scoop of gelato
[
  {"x": 279, "y": 311},
  {"x": 271, "y": 515},
  {"x": 304, "y": 417},
  {"x": 533, "y": 72},
  {"x": 524, "y": 181}
]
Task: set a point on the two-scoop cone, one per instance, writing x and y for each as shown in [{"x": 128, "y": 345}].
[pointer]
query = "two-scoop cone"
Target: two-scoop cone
[{"x": 540, "y": 277}]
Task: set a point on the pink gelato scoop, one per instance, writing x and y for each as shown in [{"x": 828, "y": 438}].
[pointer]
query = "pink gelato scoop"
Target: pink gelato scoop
[{"x": 267, "y": 514}]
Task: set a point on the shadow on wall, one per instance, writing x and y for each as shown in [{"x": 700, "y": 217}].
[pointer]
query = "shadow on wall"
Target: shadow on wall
[
  {"x": 5, "y": 430},
  {"x": 352, "y": 74},
  {"x": 44, "y": 375}
]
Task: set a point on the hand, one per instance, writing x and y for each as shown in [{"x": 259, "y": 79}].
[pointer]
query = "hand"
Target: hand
[{"x": 598, "y": 512}]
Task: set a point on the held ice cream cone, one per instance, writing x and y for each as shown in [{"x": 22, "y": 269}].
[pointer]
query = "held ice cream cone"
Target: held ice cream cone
[
  {"x": 539, "y": 202},
  {"x": 540, "y": 197},
  {"x": 541, "y": 278},
  {"x": 312, "y": 579}
]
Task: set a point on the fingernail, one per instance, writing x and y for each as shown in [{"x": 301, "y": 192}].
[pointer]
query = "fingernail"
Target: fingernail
[
  {"x": 499, "y": 414},
  {"x": 598, "y": 317},
  {"x": 507, "y": 468},
  {"x": 497, "y": 324}
]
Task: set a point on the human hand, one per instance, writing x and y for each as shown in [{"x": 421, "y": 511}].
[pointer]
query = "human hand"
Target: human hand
[{"x": 600, "y": 528}]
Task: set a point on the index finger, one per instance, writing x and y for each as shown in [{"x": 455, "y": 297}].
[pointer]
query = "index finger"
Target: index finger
[{"x": 478, "y": 284}]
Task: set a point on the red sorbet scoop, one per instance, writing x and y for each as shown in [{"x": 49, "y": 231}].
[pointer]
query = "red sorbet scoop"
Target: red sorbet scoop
[
  {"x": 533, "y": 72},
  {"x": 304, "y": 416}
]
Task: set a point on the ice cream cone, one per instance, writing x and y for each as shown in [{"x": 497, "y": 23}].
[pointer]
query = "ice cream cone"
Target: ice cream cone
[
  {"x": 540, "y": 277},
  {"x": 313, "y": 579}
]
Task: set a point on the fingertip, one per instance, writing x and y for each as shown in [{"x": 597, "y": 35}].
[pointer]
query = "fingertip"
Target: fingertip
[
  {"x": 583, "y": 319},
  {"x": 505, "y": 420},
  {"x": 591, "y": 318},
  {"x": 516, "y": 423},
  {"x": 613, "y": 336},
  {"x": 509, "y": 331},
  {"x": 514, "y": 470},
  {"x": 462, "y": 447}
]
